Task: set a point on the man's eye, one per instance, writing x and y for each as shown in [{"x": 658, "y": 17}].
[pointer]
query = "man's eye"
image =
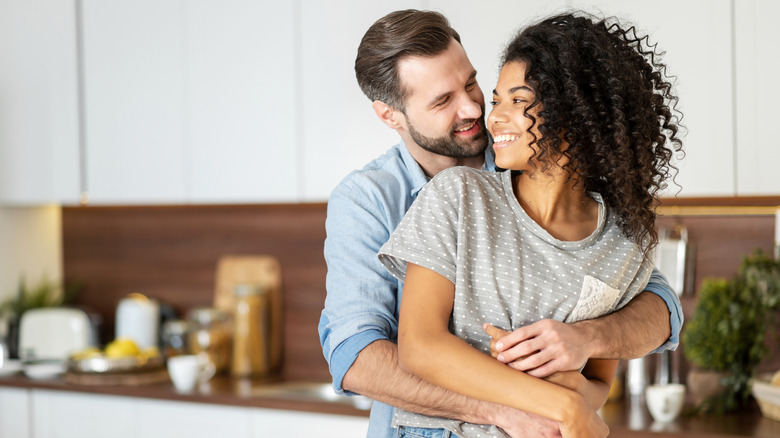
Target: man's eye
[
  {"x": 471, "y": 85},
  {"x": 443, "y": 101}
]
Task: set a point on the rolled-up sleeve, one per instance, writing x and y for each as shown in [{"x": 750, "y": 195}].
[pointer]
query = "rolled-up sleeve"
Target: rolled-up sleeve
[
  {"x": 361, "y": 303},
  {"x": 660, "y": 286}
]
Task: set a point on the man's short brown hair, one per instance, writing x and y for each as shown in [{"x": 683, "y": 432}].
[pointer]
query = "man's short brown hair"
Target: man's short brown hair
[{"x": 392, "y": 38}]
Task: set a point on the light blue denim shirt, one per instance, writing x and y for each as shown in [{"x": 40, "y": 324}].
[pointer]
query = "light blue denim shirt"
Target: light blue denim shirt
[{"x": 363, "y": 299}]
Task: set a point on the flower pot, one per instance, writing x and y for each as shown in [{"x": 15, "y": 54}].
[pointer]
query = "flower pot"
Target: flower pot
[{"x": 703, "y": 384}]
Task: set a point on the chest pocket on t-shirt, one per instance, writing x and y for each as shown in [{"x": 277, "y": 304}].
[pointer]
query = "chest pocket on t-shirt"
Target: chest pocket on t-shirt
[{"x": 596, "y": 299}]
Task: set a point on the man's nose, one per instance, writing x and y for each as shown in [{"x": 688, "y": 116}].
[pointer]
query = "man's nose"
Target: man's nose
[{"x": 469, "y": 109}]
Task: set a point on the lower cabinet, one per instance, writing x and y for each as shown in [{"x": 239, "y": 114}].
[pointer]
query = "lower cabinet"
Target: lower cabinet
[
  {"x": 14, "y": 413},
  {"x": 39, "y": 413}
]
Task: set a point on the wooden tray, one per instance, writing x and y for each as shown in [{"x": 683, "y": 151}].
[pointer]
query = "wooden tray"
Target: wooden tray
[{"x": 127, "y": 379}]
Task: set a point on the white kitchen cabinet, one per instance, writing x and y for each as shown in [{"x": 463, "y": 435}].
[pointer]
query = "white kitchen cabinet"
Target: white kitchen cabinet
[
  {"x": 757, "y": 63},
  {"x": 62, "y": 414},
  {"x": 190, "y": 101},
  {"x": 14, "y": 413},
  {"x": 696, "y": 36},
  {"x": 165, "y": 419},
  {"x": 39, "y": 124},
  {"x": 134, "y": 101},
  {"x": 241, "y": 129},
  {"x": 268, "y": 423}
]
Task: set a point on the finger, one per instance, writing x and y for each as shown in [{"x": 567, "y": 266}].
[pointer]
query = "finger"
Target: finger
[
  {"x": 494, "y": 332},
  {"x": 546, "y": 369},
  {"x": 523, "y": 349},
  {"x": 534, "y": 360},
  {"x": 520, "y": 335}
]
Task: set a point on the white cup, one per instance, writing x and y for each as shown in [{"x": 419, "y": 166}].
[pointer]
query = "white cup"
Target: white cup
[
  {"x": 187, "y": 370},
  {"x": 665, "y": 401}
]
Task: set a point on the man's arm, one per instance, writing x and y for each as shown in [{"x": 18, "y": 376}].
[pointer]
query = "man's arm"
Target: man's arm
[
  {"x": 652, "y": 319},
  {"x": 376, "y": 375}
]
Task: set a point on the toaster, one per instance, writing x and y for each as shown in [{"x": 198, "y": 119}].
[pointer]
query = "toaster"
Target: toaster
[{"x": 53, "y": 333}]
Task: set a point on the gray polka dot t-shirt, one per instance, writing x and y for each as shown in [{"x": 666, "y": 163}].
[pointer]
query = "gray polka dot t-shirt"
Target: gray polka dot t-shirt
[{"x": 508, "y": 271}]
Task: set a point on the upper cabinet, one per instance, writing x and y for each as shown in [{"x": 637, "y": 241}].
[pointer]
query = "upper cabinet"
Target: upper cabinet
[
  {"x": 39, "y": 123},
  {"x": 757, "y": 63},
  {"x": 189, "y": 101},
  {"x": 253, "y": 101}
]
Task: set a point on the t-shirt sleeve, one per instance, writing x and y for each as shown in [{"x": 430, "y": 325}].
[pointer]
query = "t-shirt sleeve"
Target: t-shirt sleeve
[{"x": 428, "y": 234}]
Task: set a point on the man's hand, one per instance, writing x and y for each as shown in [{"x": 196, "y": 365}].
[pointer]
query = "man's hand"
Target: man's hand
[{"x": 540, "y": 349}]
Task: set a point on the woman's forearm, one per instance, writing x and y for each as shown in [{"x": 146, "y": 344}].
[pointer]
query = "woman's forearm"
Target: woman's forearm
[{"x": 449, "y": 362}]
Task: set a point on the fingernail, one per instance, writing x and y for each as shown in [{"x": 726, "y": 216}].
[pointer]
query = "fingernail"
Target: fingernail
[
  {"x": 499, "y": 346},
  {"x": 500, "y": 358}
]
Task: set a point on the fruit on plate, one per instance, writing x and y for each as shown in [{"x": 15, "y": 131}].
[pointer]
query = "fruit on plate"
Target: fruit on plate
[
  {"x": 87, "y": 353},
  {"x": 121, "y": 347}
]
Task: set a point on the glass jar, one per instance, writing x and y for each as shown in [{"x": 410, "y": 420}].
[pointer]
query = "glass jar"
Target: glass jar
[
  {"x": 175, "y": 337},
  {"x": 251, "y": 332},
  {"x": 210, "y": 332}
]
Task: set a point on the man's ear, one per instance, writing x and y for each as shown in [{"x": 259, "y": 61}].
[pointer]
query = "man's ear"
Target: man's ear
[{"x": 387, "y": 114}]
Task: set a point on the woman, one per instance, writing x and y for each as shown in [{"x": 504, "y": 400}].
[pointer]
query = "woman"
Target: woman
[{"x": 583, "y": 119}]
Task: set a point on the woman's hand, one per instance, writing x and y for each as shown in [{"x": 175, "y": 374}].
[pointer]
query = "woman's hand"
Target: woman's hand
[{"x": 540, "y": 349}]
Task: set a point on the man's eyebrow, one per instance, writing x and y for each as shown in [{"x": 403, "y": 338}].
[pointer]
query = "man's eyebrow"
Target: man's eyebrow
[
  {"x": 443, "y": 95},
  {"x": 516, "y": 89}
]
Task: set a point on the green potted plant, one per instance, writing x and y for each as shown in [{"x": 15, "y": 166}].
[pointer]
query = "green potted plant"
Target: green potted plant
[{"x": 724, "y": 340}]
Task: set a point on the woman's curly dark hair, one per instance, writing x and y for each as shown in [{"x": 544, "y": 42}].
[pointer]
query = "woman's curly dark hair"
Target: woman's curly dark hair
[{"x": 603, "y": 89}]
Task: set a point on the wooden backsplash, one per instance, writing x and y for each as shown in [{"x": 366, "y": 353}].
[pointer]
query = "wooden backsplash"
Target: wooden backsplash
[{"x": 171, "y": 253}]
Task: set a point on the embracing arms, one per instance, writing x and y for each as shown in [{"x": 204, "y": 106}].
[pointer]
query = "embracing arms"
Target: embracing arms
[
  {"x": 428, "y": 350},
  {"x": 652, "y": 319}
]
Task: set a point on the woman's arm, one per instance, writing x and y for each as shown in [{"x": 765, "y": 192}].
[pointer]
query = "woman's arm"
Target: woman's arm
[{"x": 427, "y": 349}]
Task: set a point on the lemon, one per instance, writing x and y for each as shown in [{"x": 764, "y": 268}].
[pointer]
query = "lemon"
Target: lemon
[
  {"x": 149, "y": 352},
  {"x": 86, "y": 353},
  {"x": 121, "y": 347}
]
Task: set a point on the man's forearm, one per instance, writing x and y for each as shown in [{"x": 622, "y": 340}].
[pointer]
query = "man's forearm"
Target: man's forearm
[
  {"x": 376, "y": 374},
  {"x": 634, "y": 331}
]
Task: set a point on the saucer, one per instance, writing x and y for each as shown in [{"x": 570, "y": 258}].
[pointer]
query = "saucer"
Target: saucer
[
  {"x": 10, "y": 366},
  {"x": 44, "y": 370}
]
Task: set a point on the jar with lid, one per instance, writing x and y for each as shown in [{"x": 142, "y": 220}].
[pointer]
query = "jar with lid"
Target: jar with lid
[
  {"x": 210, "y": 332},
  {"x": 174, "y": 337},
  {"x": 251, "y": 332}
]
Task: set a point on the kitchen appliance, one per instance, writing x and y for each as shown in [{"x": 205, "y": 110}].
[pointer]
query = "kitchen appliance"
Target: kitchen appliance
[
  {"x": 670, "y": 258},
  {"x": 138, "y": 318},
  {"x": 53, "y": 333}
]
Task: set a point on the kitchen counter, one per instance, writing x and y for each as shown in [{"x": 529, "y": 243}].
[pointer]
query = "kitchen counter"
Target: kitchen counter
[
  {"x": 626, "y": 418},
  {"x": 221, "y": 390}
]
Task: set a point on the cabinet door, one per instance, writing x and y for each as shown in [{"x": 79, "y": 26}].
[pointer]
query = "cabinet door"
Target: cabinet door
[
  {"x": 241, "y": 126},
  {"x": 696, "y": 36},
  {"x": 59, "y": 414},
  {"x": 340, "y": 130},
  {"x": 268, "y": 423},
  {"x": 757, "y": 63},
  {"x": 14, "y": 413},
  {"x": 39, "y": 124},
  {"x": 165, "y": 419},
  {"x": 134, "y": 101}
]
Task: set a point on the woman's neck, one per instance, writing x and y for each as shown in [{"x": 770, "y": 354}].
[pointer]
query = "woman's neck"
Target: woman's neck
[{"x": 553, "y": 202}]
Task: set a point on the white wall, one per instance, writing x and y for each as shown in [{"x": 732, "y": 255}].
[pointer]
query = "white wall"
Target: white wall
[{"x": 30, "y": 244}]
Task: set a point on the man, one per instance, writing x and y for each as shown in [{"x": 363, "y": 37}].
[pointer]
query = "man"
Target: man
[{"x": 413, "y": 68}]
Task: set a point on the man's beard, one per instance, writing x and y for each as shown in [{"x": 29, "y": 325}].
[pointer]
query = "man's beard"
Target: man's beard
[{"x": 450, "y": 145}]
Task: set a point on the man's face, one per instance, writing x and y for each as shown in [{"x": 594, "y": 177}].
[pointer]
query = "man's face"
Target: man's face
[{"x": 444, "y": 104}]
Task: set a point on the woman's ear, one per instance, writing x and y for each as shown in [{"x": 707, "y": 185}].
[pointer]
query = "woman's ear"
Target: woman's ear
[{"x": 387, "y": 114}]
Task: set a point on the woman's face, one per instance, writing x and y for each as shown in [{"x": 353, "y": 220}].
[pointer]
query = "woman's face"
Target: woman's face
[{"x": 508, "y": 121}]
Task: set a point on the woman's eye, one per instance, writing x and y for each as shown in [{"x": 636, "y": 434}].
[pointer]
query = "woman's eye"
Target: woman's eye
[
  {"x": 519, "y": 101},
  {"x": 493, "y": 103}
]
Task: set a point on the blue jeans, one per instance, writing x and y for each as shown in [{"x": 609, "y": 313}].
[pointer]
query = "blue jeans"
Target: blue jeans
[{"x": 421, "y": 432}]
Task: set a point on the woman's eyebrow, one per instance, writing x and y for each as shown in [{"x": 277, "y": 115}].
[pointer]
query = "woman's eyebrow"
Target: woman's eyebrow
[{"x": 515, "y": 89}]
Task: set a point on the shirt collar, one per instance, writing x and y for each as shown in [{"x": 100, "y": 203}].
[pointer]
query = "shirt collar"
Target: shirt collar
[{"x": 418, "y": 177}]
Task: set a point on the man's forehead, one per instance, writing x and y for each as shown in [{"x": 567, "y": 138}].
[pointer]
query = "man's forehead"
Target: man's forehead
[{"x": 429, "y": 76}]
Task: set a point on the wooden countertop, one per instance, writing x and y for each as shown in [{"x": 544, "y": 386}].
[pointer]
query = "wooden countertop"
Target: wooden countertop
[{"x": 626, "y": 419}]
